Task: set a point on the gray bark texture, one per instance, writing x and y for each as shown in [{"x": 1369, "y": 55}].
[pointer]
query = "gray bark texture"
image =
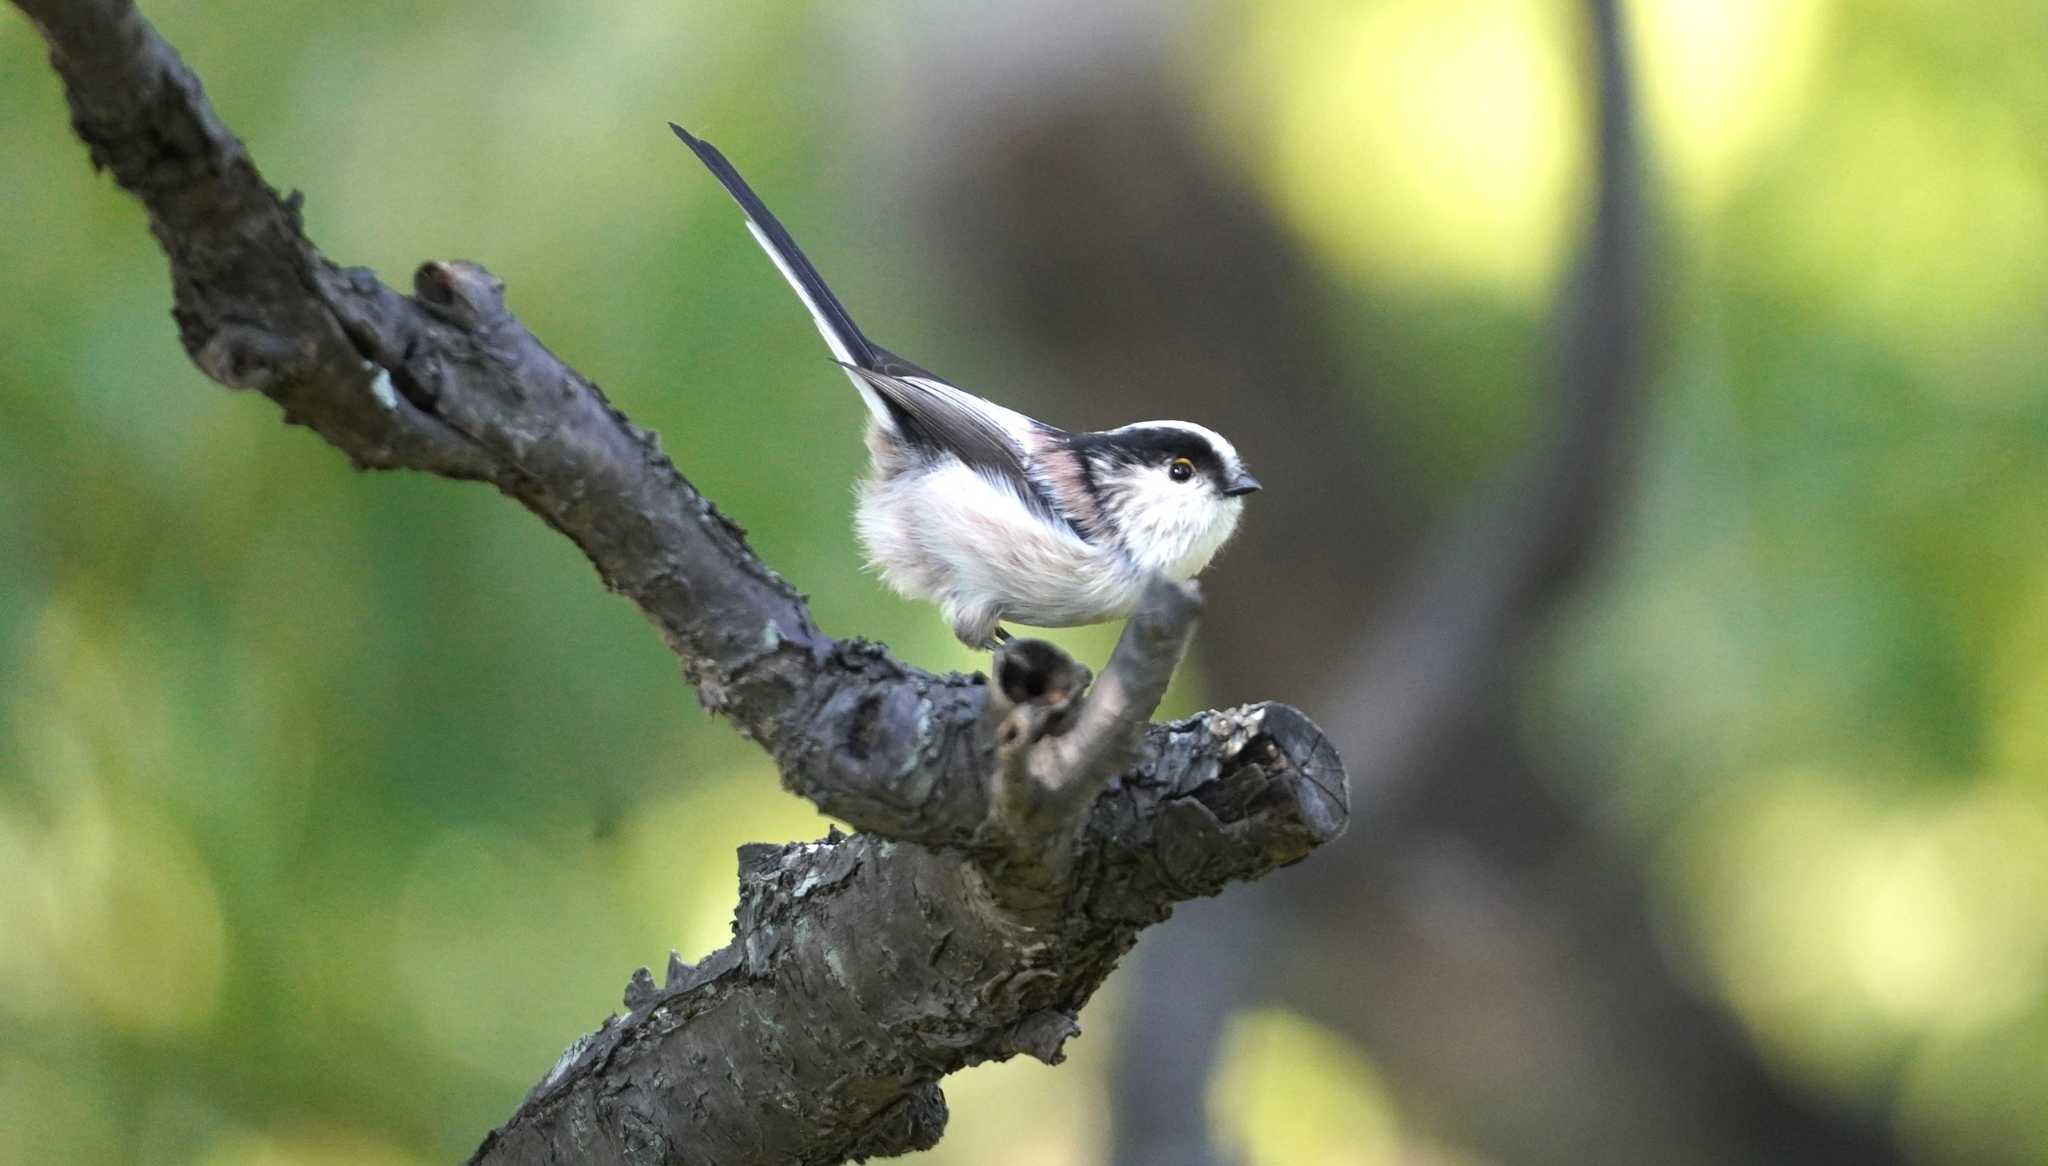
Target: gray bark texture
[{"x": 1014, "y": 836}]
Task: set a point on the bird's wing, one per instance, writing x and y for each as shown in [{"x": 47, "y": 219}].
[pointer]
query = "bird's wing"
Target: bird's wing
[{"x": 937, "y": 419}]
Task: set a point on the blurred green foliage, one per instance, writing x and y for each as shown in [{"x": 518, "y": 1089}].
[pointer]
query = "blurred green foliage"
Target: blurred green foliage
[{"x": 333, "y": 806}]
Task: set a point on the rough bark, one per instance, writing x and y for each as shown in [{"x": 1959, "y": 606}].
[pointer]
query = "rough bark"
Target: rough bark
[{"x": 1011, "y": 844}]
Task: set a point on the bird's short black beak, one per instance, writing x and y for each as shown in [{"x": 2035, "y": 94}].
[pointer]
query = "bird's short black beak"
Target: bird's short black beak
[{"x": 1240, "y": 486}]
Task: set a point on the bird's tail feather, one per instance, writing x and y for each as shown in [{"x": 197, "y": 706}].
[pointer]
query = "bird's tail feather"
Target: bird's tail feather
[{"x": 848, "y": 344}]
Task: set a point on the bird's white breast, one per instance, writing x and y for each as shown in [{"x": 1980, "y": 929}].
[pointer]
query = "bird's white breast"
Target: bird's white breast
[
  {"x": 948, "y": 535},
  {"x": 1171, "y": 527}
]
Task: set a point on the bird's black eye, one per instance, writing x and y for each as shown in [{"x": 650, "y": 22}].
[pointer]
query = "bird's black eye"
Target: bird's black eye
[{"x": 1181, "y": 469}]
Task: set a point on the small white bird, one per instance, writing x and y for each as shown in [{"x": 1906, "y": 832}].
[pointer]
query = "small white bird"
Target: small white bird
[{"x": 993, "y": 515}]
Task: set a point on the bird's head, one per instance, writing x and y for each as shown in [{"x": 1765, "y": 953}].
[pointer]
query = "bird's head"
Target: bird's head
[{"x": 1169, "y": 491}]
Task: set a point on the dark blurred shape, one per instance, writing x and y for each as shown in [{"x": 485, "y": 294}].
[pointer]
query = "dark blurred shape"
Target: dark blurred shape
[{"x": 1478, "y": 932}]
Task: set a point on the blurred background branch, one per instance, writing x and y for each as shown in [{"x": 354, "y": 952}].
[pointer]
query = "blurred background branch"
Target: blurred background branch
[
  {"x": 1472, "y": 888},
  {"x": 1490, "y": 573}
]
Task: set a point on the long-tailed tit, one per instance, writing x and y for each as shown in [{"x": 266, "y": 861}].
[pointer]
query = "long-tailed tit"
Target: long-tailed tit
[{"x": 993, "y": 515}]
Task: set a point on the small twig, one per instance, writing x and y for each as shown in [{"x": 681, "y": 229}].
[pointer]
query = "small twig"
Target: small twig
[
  {"x": 1055, "y": 746},
  {"x": 1070, "y": 768}
]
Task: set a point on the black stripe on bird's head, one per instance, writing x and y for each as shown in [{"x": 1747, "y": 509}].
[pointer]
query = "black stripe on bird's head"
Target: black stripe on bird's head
[{"x": 1185, "y": 452}]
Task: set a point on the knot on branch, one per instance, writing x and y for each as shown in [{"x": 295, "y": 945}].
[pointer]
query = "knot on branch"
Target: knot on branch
[
  {"x": 461, "y": 293},
  {"x": 1037, "y": 688},
  {"x": 244, "y": 357},
  {"x": 1044, "y": 1034},
  {"x": 912, "y": 1124}
]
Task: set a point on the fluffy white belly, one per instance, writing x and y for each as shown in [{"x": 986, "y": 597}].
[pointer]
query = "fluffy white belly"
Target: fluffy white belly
[{"x": 952, "y": 537}]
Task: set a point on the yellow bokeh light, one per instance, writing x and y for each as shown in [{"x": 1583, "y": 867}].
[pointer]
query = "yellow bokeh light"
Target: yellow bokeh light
[
  {"x": 109, "y": 904},
  {"x": 1843, "y": 925},
  {"x": 1429, "y": 144},
  {"x": 1953, "y": 929},
  {"x": 1720, "y": 83},
  {"x": 1289, "y": 1092},
  {"x": 1865, "y": 222},
  {"x": 109, "y": 908}
]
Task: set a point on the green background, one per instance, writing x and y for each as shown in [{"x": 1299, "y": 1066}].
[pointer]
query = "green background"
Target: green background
[{"x": 333, "y": 806}]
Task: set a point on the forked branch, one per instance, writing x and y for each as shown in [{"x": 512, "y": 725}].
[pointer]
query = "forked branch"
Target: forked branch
[{"x": 862, "y": 969}]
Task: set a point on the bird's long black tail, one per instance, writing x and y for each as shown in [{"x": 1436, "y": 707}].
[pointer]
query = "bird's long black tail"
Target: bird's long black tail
[{"x": 841, "y": 334}]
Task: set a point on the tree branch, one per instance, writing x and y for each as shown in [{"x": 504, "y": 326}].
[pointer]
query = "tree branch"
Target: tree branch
[
  {"x": 1056, "y": 747},
  {"x": 862, "y": 969}
]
